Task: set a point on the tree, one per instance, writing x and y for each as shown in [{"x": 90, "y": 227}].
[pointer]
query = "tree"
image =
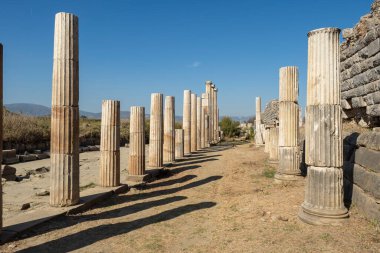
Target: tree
[{"x": 229, "y": 127}]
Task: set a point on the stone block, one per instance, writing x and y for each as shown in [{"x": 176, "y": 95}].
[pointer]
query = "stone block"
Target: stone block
[
  {"x": 369, "y": 159},
  {"x": 358, "y": 102},
  {"x": 365, "y": 203},
  {"x": 369, "y": 140},
  {"x": 345, "y": 104},
  {"x": 374, "y": 47},
  {"x": 373, "y": 110},
  {"x": 372, "y": 98},
  {"x": 367, "y": 180}
]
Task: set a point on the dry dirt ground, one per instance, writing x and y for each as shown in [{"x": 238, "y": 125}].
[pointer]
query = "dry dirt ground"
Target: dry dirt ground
[{"x": 224, "y": 200}]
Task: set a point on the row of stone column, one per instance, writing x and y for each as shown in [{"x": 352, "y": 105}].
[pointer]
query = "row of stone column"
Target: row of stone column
[{"x": 323, "y": 202}]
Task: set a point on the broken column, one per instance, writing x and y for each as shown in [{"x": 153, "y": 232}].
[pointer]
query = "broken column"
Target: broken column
[
  {"x": 109, "y": 174},
  {"x": 193, "y": 139},
  {"x": 186, "y": 125},
  {"x": 64, "y": 156},
  {"x": 323, "y": 204},
  {"x": 199, "y": 109},
  {"x": 179, "y": 154},
  {"x": 156, "y": 133},
  {"x": 259, "y": 138},
  {"x": 289, "y": 163},
  {"x": 1, "y": 131},
  {"x": 136, "y": 160},
  {"x": 169, "y": 130}
]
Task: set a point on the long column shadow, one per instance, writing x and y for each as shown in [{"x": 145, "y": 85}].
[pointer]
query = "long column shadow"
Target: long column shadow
[
  {"x": 195, "y": 162},
  {"x": 195, "y": 158},
  {"x": 92, "y": 235}
]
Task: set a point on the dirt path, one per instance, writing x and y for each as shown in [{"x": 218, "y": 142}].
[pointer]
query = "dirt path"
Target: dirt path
[{"x": 219, "y": 201}]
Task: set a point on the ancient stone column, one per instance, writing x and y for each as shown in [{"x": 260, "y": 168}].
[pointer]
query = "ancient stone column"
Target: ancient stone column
[
  {"x": 199, "y": 120},
  {"x": 64, "y": 150},
  {"x": 207, "y": 130},
  {"x": 216, "y": 119},
  {"x": 266, "y": 139},
  {"x": 323, "y": 131},
  {"x": 186, "y": 125},
  {"x": 210, "y": 91},
  {"x": 193, "y": 122},
  {"x": 1, "y": 131},
  {"x": 179, "y": 154},
  {"x": 156, "y": 132},
  {"x": 109, "y": 174},
  {"x": 203, "y": 105},
  {"x": 136, "y": 162},
  {"x": 289, "y": 163},
  {"x": 259, "y": 136},
  {"x": 169, "y": 130},
  {"x": 273, "y": 146}
]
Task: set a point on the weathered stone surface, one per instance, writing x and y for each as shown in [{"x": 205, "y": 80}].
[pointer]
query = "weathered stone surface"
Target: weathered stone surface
[
  {"x": 109, "y": 174},
  {"x": 179, "y": 154},
  {"x": 345, "y": 104},
  {"x": 207, "y": 130},
  {"x": 259, "y": 135},
  {"x": 273, "y": 147},
  {"x": 365, "y": 203},
  {"x": 370, "y": 159},
  {"x": 64, "y": 180},
  {"x": 289, "y": 163},
  {"x": 203, "y": 122},
  {"x": 373, "y": 110},
  {"x": 136, "y": 162},
  {"x": 193, "y": 139},
  {"x": 288, "y": 124},
  {"x": 199, "y": 120},
  {"x": 271, "y": 113},
  {"x": 369, "y": 140},
  {"x": 169, "y": 130},
  {"x": 186, "y": 125},
  {"x": 358, "y": 102},
  {"x": 156, "y": 133},
  {"x": 365, "y": 179}
]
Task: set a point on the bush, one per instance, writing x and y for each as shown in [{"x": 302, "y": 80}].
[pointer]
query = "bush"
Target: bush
[{"x": 229, "y": 127}]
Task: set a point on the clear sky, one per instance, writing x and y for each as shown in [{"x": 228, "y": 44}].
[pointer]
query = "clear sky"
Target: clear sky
[{"x": 131, "y": 48}]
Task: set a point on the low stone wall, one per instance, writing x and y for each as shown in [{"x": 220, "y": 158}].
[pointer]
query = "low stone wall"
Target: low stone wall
[
  {"x": 360, "y": 70},
  {"x": 362, "y": 172}
]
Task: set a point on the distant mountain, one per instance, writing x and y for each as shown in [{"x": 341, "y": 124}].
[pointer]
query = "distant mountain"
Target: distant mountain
[{"x": 40, "y": 110}]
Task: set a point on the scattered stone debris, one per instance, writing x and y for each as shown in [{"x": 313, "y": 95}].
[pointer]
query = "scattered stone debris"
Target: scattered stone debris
[
  {"x": 43, "y": 193},
  {"x": 25, "y": 206},
  {"x": 9, "y": 173}
]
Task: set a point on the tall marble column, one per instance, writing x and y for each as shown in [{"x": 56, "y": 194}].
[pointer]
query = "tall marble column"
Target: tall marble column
[
  {"x": 210, "y": 91},
  {"x": 289, "y": 163},
  {"x": 179, "y": 154},
  {"x": 109, "y": 174},
  {"x": 156, "y": 132},
  {"x": 169, "y": 130},
  {"x": 193, "y": 122},
  {"x": 186, "y": 125},
  {"x": 136, "y": 160},
  {"x": 64, "y": 156},
  {"x": 259, "y": 136},
  {"x": 1, "y": 131},
  {"x": 203, "y": 110},
  {"x": 216, "y": 120},
  {"x": 199, "y": 120},
  {"x": 323, "y": 204}
]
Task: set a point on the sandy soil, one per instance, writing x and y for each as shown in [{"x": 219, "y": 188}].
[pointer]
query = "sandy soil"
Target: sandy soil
[{"x": 224, "y": 200}]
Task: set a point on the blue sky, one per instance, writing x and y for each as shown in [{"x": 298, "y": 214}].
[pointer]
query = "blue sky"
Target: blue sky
[{"x": 131, "y": 48}]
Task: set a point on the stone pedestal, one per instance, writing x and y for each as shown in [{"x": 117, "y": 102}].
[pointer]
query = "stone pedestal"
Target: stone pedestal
[
  {"x": 156, "y": 132},
  {"x": 64, "y": 156},
  {"x": 169, "y": 130},
  {"x": 289, "y": 165},
  {"x": 193, "y": 122},
  {"x": 179, "y": 154},
  {"x": 259, "y": 136},
  {"x": 136, "y": 162},
  {"x": 323, "y": 203},
  {"x": 186, "y": 125},
  {"x": 199, "y": 120},
  {"x": 273, "y": 144},
  {"x": 109, "y": 174}
]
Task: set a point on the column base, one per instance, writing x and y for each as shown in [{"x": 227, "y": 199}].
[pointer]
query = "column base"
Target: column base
[
  {"x": 279, "y": 177},
  {"x": 335, "y": 218}
]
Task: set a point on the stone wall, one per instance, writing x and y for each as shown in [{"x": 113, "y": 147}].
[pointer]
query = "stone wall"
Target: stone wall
[
  {"x": 362, "y": 172},
  {"x": 360, "y": 70},
  {"x": 270, "y": 114}
]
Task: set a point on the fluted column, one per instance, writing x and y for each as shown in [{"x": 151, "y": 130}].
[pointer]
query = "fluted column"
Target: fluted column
[
  {"x": 207, "y": 130},
  {"x": 136, "y": 160},
  {"x": 64, "y": 153},
  {"x": 193, "y": 122},
  {"x": 186, "y": 125},
  {"x": 156, "y": 133},
  {"x": 266, "y": 139},
  {"x": 169, "y": 130},
  {"x": 179, "y": 154},
  {"x": 109, "y": 174},
  {"x": 323, "y": 131},
  {"x": 215, "y": 115},
  {"x": 273, "y": 146},
  {"x": 259, "y": 136},
  {"x": 203, "y": 110},
  {"x": 1, "y": 131},
  {"x": 289, "y": 163},
  {"x": 199, "y": 120}
]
